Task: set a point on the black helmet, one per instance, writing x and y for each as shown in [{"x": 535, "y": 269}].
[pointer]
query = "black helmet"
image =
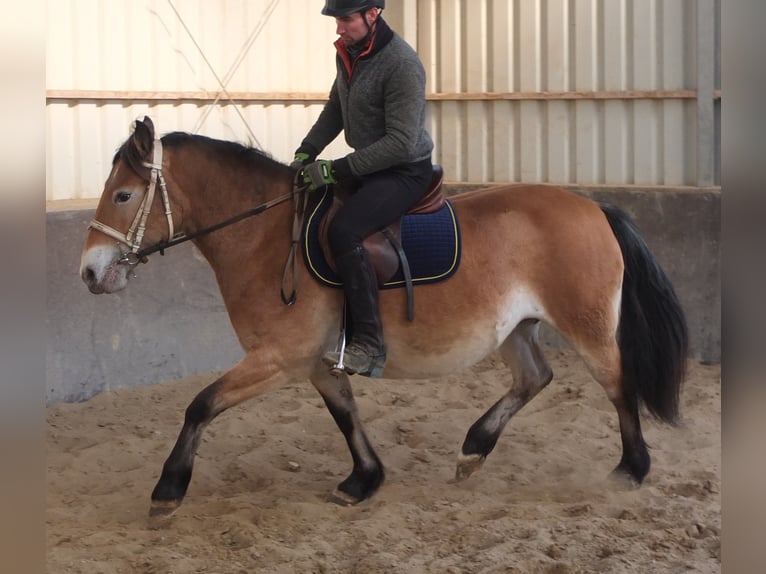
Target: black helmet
[{"x": 340, "y": 8}]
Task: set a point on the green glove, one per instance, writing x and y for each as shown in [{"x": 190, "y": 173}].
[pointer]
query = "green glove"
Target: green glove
[
  {"x": 299, "y": 160},
  {"x": 318, "y": 174}
]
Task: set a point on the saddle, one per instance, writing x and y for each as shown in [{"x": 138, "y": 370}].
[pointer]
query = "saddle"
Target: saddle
[{"x": 384, "y": 247}]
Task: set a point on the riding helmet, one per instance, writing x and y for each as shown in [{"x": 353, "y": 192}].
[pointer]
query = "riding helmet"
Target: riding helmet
[{"x": 340, "y": 8}]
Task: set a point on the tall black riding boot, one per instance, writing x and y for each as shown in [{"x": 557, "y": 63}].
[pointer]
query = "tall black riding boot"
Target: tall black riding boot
[{"x": 366, "y": 352}]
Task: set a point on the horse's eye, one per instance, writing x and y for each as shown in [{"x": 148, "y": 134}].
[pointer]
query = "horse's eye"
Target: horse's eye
[{"x": 122, "y": 196}]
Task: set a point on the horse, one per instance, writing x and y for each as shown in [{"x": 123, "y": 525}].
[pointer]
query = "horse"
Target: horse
[{"x": 532, "y": 254}]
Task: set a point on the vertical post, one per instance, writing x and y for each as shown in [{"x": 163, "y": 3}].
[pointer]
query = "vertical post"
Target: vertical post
[
  {"x": 705, "y": 47},
  {"x": 402, "y": 16}
]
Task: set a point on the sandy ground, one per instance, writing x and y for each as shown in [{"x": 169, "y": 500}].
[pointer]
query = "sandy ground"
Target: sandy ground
[{"x": 258, "y": 500}]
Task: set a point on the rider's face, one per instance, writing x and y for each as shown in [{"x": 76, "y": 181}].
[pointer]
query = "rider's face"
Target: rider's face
[{"x": 352, "y": 28}]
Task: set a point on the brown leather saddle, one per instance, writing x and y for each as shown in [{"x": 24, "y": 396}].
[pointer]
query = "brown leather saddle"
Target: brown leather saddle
[{"x": 384, "y": 247}]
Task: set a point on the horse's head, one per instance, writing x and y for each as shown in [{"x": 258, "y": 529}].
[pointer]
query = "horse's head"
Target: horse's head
[{"x": 122, "y": 221}]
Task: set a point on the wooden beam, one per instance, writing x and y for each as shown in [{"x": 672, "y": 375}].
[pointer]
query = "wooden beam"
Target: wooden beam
[
  {"x": 607, "y": 95},
  {"x": 310, "y": 97},
  {"x": 153, "y": 96}
]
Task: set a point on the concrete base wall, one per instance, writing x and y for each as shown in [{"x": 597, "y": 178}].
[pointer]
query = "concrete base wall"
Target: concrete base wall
[
  {"x": 171, "y": 322},
  {"x": 683, "y": 229}
]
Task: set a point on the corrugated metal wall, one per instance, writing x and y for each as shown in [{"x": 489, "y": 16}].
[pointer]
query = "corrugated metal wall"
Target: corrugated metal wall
[
  {"x": 615, "y": 92},
  {"x": 111, "y": 62},
  {"x": 583, "y": 91}
]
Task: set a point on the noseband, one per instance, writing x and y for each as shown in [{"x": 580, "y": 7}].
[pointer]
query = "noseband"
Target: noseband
[{"x": 135, "y": 233}]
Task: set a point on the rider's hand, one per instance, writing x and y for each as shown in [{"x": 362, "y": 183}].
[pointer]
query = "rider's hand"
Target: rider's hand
[
  {"x": 300, "y": 160},
  {"x": 318, "y": 174}
]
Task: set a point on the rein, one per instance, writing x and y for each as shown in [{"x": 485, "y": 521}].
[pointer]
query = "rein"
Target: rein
[
  {"x": 135, "y": 234},
  {"x": 141, "y": 255}
]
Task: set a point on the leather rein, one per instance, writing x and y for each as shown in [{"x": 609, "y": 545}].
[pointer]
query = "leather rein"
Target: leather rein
[{"x": 135, "y": 234}]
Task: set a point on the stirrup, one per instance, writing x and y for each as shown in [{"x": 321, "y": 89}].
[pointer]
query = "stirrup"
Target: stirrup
[
  {"x": 374, "y": 369},
  {"x": 334, "y": 359},
  {"x": 329, "y": 358}
]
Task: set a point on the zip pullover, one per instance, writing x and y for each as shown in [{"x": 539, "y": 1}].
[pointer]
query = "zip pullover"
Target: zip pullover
[{"x": 377, "y": 100}]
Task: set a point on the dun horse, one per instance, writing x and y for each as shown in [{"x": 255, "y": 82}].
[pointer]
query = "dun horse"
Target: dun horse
[{"x": 531, "y": 254}]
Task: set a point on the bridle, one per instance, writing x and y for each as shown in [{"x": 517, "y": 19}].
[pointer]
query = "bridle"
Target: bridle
[{"x": 135, "y": 234}]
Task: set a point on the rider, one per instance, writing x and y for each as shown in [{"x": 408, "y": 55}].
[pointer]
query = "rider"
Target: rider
[{"x": 378, "y": 101}]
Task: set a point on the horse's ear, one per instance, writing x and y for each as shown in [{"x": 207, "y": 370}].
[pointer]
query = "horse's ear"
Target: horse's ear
[
  {"x": 143, "y": 137},
  {"x": 139, "y": 147},
  {"x": 149, "y": 124}
]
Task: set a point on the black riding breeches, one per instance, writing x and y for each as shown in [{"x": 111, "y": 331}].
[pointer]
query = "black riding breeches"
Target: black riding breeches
[{"x": 381, "y": 199}]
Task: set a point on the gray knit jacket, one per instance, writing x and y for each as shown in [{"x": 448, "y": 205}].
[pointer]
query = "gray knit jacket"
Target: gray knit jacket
[{"x": 380, "y": 107}]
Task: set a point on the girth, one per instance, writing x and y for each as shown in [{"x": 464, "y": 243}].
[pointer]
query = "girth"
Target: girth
[{"x": 384, "y": 247}]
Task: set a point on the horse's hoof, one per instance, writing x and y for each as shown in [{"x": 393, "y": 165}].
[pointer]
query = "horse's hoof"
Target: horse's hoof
[
  {"x": 467, "y": 464},
  {"x": 621, "y": 479},
  {"x": 163, "y": 508}
]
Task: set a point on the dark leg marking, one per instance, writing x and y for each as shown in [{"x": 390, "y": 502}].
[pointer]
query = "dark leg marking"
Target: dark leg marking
[
  {"x": 531, "y": 373},
  {"x": 177, "y": 470},
  {"x": 367, "y": 475},
  {"x": 635, "y": 461}
]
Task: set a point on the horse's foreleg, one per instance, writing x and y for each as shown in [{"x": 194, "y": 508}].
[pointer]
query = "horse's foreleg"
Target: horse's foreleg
[
  {"x": 237, "y": 385},
  {"x": 367, "y": 474},
  {"x": 531, "y": 373}
]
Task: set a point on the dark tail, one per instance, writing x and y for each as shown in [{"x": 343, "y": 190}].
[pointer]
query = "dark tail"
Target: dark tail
[{"x": 652, "y": 335}]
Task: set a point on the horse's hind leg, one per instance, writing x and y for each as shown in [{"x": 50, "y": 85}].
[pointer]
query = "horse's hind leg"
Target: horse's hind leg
[
  {"x": 604, "y": 362},
  {"x": 606, "y": 368},
  {"x": 367, "y": 474},
  {"x": 635, "y": 461},
  {"x": 244, "y": 381},
  {"x": 531, "y": 373}
]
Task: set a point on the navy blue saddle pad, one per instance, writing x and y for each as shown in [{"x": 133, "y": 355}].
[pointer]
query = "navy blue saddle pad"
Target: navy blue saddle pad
[{"x": 431, "y": 242}]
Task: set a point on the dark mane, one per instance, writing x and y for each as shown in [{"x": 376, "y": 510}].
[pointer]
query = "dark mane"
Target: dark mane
[{"x": 241, "y": 155}]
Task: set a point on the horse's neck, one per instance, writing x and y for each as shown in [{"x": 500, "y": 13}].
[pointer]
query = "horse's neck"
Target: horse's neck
[{"x": 257, "y": 239}]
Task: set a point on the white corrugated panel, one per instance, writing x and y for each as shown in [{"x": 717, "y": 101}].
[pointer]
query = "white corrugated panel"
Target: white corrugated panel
[
  {"x": 524, "y": 90},
  {"x": 82, "y": 139},
  {"x": 532, "y": 48},
  {"x": 179, "y": 46},
  {"x": 187, "y": 45}
]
